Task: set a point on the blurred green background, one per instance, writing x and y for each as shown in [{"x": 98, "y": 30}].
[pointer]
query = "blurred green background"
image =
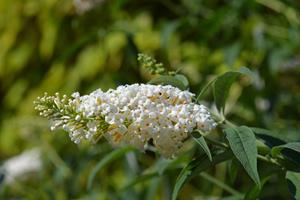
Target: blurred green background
[{"x": 66, "y": 46}]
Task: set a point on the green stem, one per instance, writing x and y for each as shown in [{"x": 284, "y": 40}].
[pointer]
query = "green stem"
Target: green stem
[
  {"x": 215, "y": 142},
  {"x": 220, "y": 184},
  {"x": 230, "y": 123},
  {"x": 268, "y": 159}
]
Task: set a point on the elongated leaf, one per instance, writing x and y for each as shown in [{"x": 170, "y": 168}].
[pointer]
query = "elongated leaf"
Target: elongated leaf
[
  {"x": 168, "y": 80},
  {"x": 295, "y": 146},
  {"x": 195, "y": 167},
  {"x": 222, "y": 84},
  {"x": 243, "y": 145},
  {"x": 255, "y": 190},
  {"x": 204, "y": 89},
  {"x": 221, "y": 88},
  {"x": 291, "y": 151},
  {"x": 293, "y": 179},
  {"x": 152, "y": 188},
  {"x": 202, "y": 143},
  {"x": 271, "y": 139},
  {"x": 186, "y": 174},
  {"x": 220, "y": 184},
  {"x": 233, "y": 170},
  {"x": 160, "y": 167},
  {"x": 105, "y": 161},
  {"x": 140, "y": 179}
]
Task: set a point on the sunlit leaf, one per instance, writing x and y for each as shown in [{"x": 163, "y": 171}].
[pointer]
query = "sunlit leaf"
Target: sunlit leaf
[
  {"x": 222, "y": 85},
  {"x": 242, "y": 142},
  {"x": 168, "y": 80},
  {"x": 183, "y": 79}
]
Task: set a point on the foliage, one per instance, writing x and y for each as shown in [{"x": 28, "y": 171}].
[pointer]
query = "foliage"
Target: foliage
[{"x": 47, "y": 46}]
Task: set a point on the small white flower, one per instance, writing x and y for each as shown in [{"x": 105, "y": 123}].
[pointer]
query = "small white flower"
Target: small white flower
[{"x": 77, "y": 118}]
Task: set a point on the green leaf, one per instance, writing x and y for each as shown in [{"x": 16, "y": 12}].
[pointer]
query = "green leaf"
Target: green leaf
[
  {"x": 202, "y": 143},
  {"x": 270, "y": 138},
  {"x": 204, "y": 89},
  {"x": 183, "y": 80},
  {"x": 293, "y": 179},
  {"x": 234, "y": 197},
  {"x": 105, "y": 161},
  {"x": 139, "y": 179},
  {"x": 195, "y": 167},
  {"x": 295, "y": 146},
  {"x": 248, "y": 72},
  {"x": 242, "y": 142},
  {"x": 152, "y": 189},
  {"x": 221, "y": 88},
  {"x": 222, "y": 84},
  {"x": 233, "y": 170},
  {"x": 168, "y": 80}
]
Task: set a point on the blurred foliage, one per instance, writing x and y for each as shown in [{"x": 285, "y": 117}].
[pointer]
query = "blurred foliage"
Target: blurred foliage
[{"x": 47, "y": 46}]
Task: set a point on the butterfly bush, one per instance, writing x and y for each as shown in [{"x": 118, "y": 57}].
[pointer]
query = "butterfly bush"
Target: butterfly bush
[{"x": 129, "y": 115}]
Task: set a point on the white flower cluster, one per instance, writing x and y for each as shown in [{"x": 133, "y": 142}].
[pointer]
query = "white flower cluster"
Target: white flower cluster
[
  {"x": 83, "y": 6},
  {"x": 21, "y": 165},
  {"x": 139, "y": 113}
]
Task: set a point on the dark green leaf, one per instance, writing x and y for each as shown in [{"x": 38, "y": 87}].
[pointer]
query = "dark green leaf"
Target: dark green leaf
[
  {"x": 293, "y": 179},
  {"x": 242, "y": 142},
  {"x": 295, "y": 146},
  {"x": 195, "y": 167},
  {"x": 168, "y": 80},
  {"x": 271, "y": 139},
  {"x": 204, "y": 89},
  {"x": 221, "y": 88},
  {"x": 202, "y": 143},
  {"x": 105, "y": 161}
]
